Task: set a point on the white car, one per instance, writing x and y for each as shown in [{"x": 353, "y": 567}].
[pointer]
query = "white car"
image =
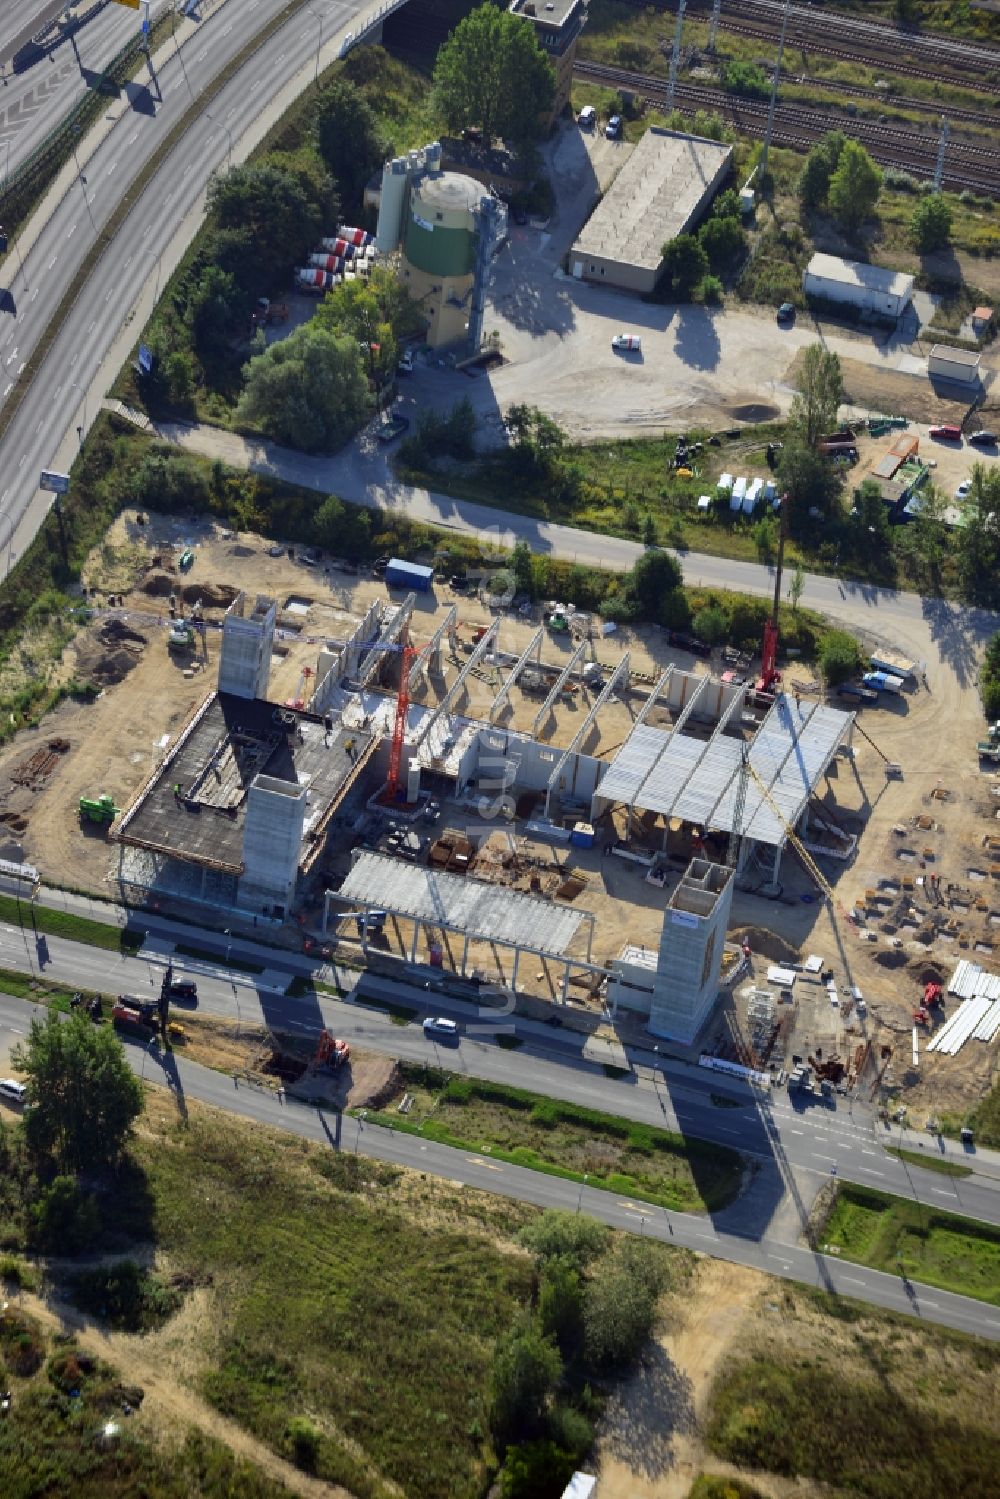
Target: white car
[
  {"x": 964, "y": 489},
  {"x": 439, "y": 1025},
  {"x": 12, "y": 1090},
  {"x": 627, "y": 343}
]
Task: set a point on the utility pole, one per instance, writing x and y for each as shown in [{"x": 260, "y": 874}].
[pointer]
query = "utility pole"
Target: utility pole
[
  {"x": 774, "y": 91},
  {"x": 942, "y": 148},
  {"x": 675, "y": 56},
  {"x": 713, "y": 24}
]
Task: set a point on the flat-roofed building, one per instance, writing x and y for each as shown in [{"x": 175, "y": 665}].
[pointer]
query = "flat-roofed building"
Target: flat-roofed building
[
  {"x": 557, "y": 24},
  {"x": 873, "y": 289},
  {"x": 661, "y": 191}
]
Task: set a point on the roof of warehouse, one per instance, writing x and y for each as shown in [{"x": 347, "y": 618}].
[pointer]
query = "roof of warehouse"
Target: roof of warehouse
[
  {"x": 676, "y": 775},
  {"x": 491, "y": 912},
  {"x": 652, "y": 198},
  {"x": 857, "y": 273}
]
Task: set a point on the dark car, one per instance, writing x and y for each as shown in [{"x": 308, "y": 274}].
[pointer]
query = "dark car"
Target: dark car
[
  {"x": 184, "y": 989},
  {"x": 786, "y": 313},
  {"x": 983, "y": 439}
]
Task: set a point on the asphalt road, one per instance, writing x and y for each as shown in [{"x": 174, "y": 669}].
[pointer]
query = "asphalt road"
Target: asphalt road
[
  {"x": 34, "y": 99},
  {"x": 57, "y": 402},
  {"x": 796, "y": 1146},
  {"x": 187, "y": 1080},
  {"x": 939, "y": 631}
]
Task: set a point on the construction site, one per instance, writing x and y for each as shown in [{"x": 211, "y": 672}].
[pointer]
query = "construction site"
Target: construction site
[{"x": 601, "y": 823}]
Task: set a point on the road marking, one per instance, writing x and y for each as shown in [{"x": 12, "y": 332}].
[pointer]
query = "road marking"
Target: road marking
[
  {"x": 112, "y": 167},
  {"x": 7, "y": 392},
  {"x": 71, "y": 231},
  {"x": 869, "y": 1152},
  {"x": 23, "y": 461},
  {"x": 870, "y": 1172},
  {"x": 132, "y": 138},
  {"x": 820, "y": 1157},
  {"x": 852, "y": 1280},
  {"x": 34, "y": 294},
  {"x": 796, "y": 1131},
  {"x": 941, "y": 1192},
  {"x": 53, "y": 261}
]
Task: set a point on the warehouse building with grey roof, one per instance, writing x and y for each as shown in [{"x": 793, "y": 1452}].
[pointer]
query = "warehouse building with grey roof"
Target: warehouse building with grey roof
[{"x": 662, "y": 190}]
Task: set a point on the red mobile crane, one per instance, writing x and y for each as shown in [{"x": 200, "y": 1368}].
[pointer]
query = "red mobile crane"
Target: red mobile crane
[{"x": 406, "y": 656}]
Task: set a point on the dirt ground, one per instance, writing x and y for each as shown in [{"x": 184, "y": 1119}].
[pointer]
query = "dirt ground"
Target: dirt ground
[{"x": 649, "y": 1443}]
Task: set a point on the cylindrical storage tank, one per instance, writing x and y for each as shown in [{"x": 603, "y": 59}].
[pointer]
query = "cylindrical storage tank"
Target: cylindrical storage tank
[
  {"x": 432, "y": 156},
  {"x": 440, "y": 237},
  {"x": 412, "y": 782},
  {"x": 391, "y": 205}
]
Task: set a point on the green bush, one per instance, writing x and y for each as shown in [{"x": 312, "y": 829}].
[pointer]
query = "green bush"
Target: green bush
[
  {"x": 65, "y": 1220},
  {"x": 125, "y": 1295},
  {"x": 564, "y": 1235},
  {"x": 746, "y": 78},
  {"x": 535, "y": 1470},
  {"x": 989, "y": 679},
  {"x": 303, "y": 1439},
  {"x": 839, "y": 657}
]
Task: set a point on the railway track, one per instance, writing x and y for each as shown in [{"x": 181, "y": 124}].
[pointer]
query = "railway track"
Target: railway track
[
  {"x": 806, "y": 31},
  {"x": 966, "y": 165}
]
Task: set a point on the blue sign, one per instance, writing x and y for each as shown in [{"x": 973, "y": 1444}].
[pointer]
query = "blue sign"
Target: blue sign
[
  {"x": 145, "y": 359},
  {"x": 53, "y": 482}
]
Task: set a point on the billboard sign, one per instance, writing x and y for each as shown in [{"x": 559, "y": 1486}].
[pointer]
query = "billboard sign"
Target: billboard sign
[
  {"x": 53, "y": 482},
  {"x": 145, "y": 359}
]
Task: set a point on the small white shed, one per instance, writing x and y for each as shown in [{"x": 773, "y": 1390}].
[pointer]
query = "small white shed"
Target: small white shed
[
  {"x": 870, "y": 288},
  {"x": 960, "y": 366}
]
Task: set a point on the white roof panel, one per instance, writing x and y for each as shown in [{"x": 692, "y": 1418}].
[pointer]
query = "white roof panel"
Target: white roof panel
[
  {"x": 460, "y": 902},
  {"x": 681, "y": 776}
]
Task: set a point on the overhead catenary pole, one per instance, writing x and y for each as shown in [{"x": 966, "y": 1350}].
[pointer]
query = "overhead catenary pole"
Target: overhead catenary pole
[
  {"x": 942, "y": 148},
  {"x": 772, "y": 106},
  {"x": 675, "y": 56},
  {"x": 713, "y": 24}
]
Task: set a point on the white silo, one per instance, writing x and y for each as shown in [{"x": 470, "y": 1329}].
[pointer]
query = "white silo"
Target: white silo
[{"x": 395, "y": 176}]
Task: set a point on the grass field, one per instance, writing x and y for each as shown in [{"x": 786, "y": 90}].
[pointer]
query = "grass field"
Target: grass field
[
  {"x": 37, "y": 918},
  {"x": 48, "y": 1442},
  {"x": 941, "y": 1249},
  {"x": 339, "y": 1299},
  {"x": 856, "y": 1432},
  {"x": 563, "y": 1139},
  {"x": 983, "y": 1119},
  {"x": 929, "y": 1162}
]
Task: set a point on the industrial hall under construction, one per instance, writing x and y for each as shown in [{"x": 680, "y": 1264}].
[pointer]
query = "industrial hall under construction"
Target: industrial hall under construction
[{"x": 256, "y": 802}]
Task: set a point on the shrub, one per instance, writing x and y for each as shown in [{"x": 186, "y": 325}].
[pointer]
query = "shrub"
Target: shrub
[
  {"x": 564, "y": 1235},
  {"x": 126, "y": 1295},
  {"x": 989, "y": 679},
  {"x": 711, "y": 291},
  {"x": 839, "y": 657},
  {"x": 535, "y": 1470},
  {"x": 303, "y": 1438},
  {"x": 65, "y": 1220}
]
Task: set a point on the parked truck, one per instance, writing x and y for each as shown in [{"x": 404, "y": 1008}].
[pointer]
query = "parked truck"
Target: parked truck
[
  {"x": 138, "y": 1016},
  {"x": 882, "y": 681},
  {"x": 895, "y": 664}
]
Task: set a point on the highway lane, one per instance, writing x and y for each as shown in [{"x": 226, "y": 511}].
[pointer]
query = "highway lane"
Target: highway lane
[
  {"x": 186, "y": 1080},
  {"x": 796, "y": 1147},
  {"x": 34, "y": 99},
  {"x": 57, "y": 404}
]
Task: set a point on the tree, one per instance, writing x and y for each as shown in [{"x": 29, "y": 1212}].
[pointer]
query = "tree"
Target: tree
[
  {"x": 765, "y": 537},
  {"x": 620, "y": 1307},
  {"x": 796, "y": 586},
  {"x": 820, "y": 165},
  {"x": 989, "y": 679},
  {"x": 349, "y": 139},
  {"x": 654, "y": 578},
  {"x": 520, "y": 566},
  {"x": 746, "y": 78},
  {"x": 854, "y": 187},
  {"x": 328, "y": 523},
  {"x": 273, "y": 205},
  {"x": 930, "y": 223},
  {"x": 978, "y": 540},
  {"x": 308, "y": 390},
  {"x": 374, "y": 313},
  {"x": 684, "y": 265},
  {"x": 566, "y": 1236},
  {"x": 492, "y": 73},
  {"x": 869, "y": 513},
  {"x": 820, "y": 393},
  {"x": 648, "y": 531},
  {"x": 722, "y": 240},
  {"x": 535, "y": 1470},
  {"x": 526, "y": 1369},
  {"x": 839, "y": 657},
  {"x": 216, "y": 309},
  {"x": 83, "y": 1097},
  {"x": 711, "y": 625},
  {"x": 178, "y": 371},
  {"x": 560, "y": 1305},
  {"x": 809, "y": 482},
  {"x": 923, "y": 544}
]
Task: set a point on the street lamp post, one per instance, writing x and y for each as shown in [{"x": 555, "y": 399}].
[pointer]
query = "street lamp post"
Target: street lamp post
[
  {"x": 579, "y": 1200},
  {"x": 362, "y": 1116},
  {"x": 75, "y": 385},
  {"x": 319, "y": 44},
  {"x": 229, "y": 136}
]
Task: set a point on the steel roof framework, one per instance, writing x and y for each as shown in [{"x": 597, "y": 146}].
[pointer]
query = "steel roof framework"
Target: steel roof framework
[{"x": 675, "y": 775}]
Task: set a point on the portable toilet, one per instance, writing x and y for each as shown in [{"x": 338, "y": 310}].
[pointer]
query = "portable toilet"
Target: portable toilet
[
  {"x": 752, "y": 496},
  {"x": 725, "y": 482},
  {"x": 739, "y": 491},
  {"x": 770, "y": 491}
]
